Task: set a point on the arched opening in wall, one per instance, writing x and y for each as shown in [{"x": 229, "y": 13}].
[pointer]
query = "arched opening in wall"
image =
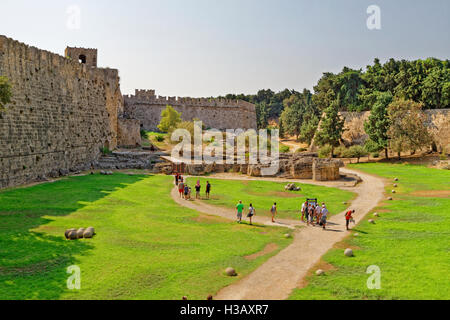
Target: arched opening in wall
[{"x": 82, "y": 58}]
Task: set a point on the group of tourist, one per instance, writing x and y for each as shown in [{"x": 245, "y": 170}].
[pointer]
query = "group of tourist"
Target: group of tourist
[
  {"x": 312, "y": 212},
  {"x": 185, "y": 190},
  {"x": 315, "y": 214}
]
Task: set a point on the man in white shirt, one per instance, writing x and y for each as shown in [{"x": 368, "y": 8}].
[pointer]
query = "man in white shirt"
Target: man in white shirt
[{"x": 304, "y": 207}]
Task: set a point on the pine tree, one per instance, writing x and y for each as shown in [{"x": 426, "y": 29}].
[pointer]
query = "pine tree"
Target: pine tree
[
  {"x": 331, "y": 128},
  {"x": 378, "y": 124}
]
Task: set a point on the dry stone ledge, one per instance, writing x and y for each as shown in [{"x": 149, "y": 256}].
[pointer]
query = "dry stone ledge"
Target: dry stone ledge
[{"x": 118, "y": 160}]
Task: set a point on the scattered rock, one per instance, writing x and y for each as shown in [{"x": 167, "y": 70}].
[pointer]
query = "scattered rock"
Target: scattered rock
[
  {"x": 390, "y": 199},
  {"x": 349, "y": 252},
  {"x": 66, "y": 234},
  {"x": 356, "y": 235},
  {"x": 376, "y": 214},
  {"x": 320, "y": 272},
  {"x": 80, "y": 233},
  {"x": 344, "y": 203},
  {"x": 371, "y": 221},
  {"x": 396, "y": 179},
  {"x": 91, "y": 229},
  {"x": 395, "y": 185},
  {"x": 393, "y": 191},
  {"x": 231, "y": 272},
  {"x": 88, "y": 234},
  {"x": 73, "y": 235},
  {"x": 287, "y": 236}
]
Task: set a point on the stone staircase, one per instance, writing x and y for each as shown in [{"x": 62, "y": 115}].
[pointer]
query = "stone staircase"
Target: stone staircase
[{"x": 118, "y": 160}]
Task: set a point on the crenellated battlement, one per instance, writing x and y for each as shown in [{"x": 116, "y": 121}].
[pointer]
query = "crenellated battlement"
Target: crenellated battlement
[
  {"x": 150, "y": 98},
  {"x": 146, "y": 106}
]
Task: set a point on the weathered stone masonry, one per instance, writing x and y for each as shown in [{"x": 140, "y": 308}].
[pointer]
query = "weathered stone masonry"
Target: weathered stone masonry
[
  {"x": 215, "y": 113},
  {"x": 62, "y": 113}
]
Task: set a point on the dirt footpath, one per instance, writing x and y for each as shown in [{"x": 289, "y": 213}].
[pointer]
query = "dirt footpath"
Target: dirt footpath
[{"x": 281, "y": 274}]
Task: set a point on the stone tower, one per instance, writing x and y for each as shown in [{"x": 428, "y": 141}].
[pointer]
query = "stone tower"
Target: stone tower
[{"x": 82, "y": 55}]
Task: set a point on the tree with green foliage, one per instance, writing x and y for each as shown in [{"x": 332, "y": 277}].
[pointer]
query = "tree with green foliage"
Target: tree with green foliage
[
  {"x": 170, "y": 118},
  {"x": 331, "y": 128},
  {"x": 261, "y": 115},
  {"x": 378, "y": 123},
  {"x": 309, "y": 128},
  {"x": 407, "y": 131},
  {"x": 292, "y": 116},
  {"x": 281, "y": 128},
  {"x": 298, "y": 109},
  {"x": 5, "y": 92},
  {"x": 357, "y": 152}
]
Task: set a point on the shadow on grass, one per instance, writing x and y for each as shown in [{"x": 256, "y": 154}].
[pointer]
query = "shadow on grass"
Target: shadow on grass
[{"x": 40, "y": 258}]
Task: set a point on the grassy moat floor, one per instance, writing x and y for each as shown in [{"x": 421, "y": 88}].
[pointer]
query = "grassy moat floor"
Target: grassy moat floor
[
  {"x": 410, "y": 242},
  {"x": 147, "y": 247}
]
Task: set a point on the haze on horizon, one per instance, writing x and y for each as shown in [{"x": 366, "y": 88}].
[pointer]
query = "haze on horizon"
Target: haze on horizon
[{"x": 203, "y": 48}]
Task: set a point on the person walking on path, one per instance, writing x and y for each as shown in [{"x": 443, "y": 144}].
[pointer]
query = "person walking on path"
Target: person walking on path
[
  {"x": 197, "y": 190},
  {"x": 177, "y": 178},
  {"x": 208, "y": 189},
  {"x": 312, "y": 210},
  {"x": 181, "y": 189},
  {"x": 240, "y": 210},
  {"x": 348, "y": 218},
  {"x": 307, "y": 214},
  {"x": 251, "y": 213},
  {"x": 274, "y": 212},
  {"x": 304, "y": 207},
  {"x": 323, "y": 219},
  {"x": 186, "y": 192},
  {"x": 318, "y": 211}
]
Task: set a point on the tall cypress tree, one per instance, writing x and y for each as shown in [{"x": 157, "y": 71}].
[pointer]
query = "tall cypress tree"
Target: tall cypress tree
[
  {"x": 331, "y": 128},
  {"x": 377, "y": 125}
]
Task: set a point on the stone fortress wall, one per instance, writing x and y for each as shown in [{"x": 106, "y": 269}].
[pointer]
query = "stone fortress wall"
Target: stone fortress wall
[
  {"x": 437, "y": 121},
  {"x": 62, "y": 113},
  {"x": 220, "y": 114}
]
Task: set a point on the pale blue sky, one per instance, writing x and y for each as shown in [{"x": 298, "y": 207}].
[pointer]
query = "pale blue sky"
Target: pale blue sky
[{"x": 211, "y": 47}]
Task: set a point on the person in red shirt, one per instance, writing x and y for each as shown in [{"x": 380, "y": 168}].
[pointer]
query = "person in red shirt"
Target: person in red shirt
[{"x": 348, "y": 218}]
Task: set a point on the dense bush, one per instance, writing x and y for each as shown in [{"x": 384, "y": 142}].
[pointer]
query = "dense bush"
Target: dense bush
[
  {"x": 325, "y": 151},
  {"x": 285, "y": 149}
]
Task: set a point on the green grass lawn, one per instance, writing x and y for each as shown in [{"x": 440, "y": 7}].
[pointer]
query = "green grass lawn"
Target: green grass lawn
[
  {"x": 147, "y": 246},
  {"x": 262, "y": 194},
  {"x": 409, "y": 242}
]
